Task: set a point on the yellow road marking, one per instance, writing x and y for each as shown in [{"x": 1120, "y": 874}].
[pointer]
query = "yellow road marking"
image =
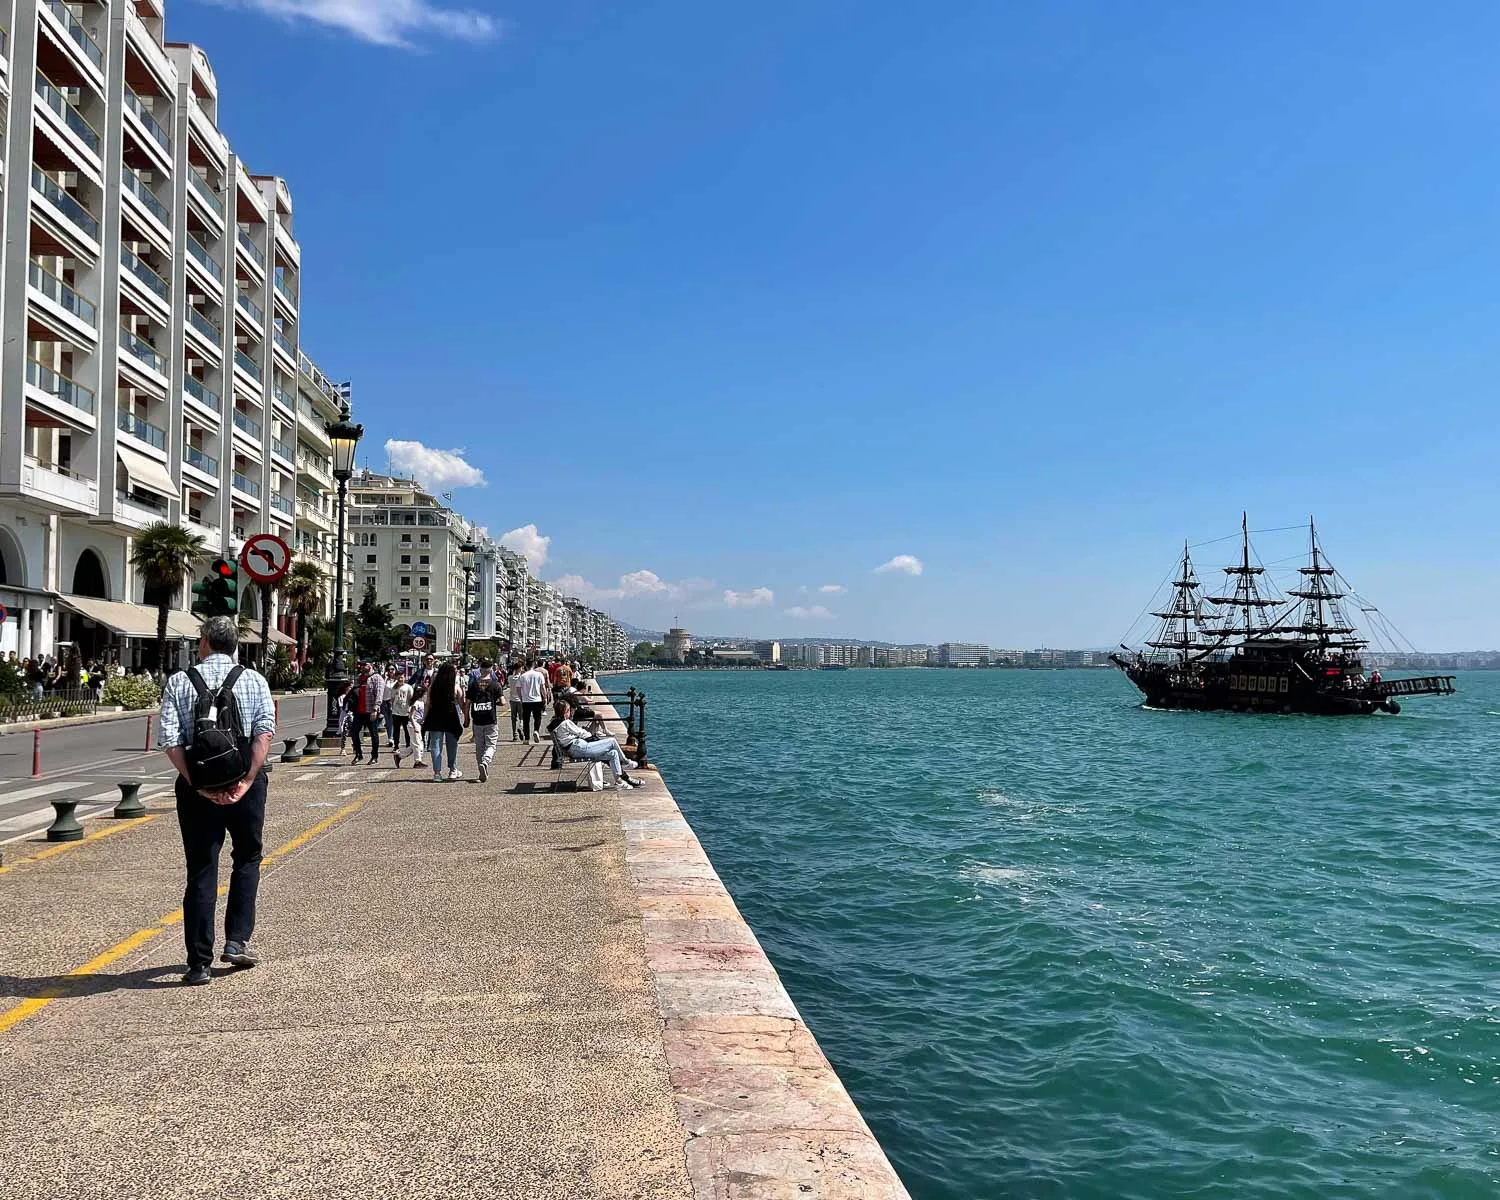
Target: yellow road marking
[
  {"x": 13, "y": 1016},
  {"x": 103, "y": 832}
]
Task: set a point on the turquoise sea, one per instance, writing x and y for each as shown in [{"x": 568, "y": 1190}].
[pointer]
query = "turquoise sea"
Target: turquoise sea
[{"x": 1060, "y": 946}]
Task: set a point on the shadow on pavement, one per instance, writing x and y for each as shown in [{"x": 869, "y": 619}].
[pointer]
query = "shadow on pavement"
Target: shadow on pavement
[{"x": 69, "y": 987}]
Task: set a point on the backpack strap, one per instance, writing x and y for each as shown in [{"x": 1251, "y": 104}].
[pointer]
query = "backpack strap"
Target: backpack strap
[
  {"x": 227, "y": 687},
  {"x": 199, "y": 685}
]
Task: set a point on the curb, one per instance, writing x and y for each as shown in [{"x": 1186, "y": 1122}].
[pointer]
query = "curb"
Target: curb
[{"x": 70, "y": 722}]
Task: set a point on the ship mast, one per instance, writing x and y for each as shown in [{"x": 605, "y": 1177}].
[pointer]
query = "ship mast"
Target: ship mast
[
  {"x": 1183, "y": 617},
  {"x": 1320, "y": 615},
  {"x": 1246, "y": 599}
]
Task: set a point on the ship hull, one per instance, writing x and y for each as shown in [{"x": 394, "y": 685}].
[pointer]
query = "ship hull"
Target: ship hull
[{"x": 1285, "y": 686}]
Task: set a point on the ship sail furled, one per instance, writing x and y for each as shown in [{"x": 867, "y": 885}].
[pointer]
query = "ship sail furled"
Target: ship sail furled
[
  {"x": 1247, "y": 613},
  {"x": 1318, "y": 614},
  {"x": 1186, "y": 627}
]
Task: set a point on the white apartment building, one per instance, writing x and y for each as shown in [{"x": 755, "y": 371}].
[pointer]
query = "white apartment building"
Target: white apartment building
[
  {"x": 150, "y": 287},
  {"x": 316, "y": 536}
]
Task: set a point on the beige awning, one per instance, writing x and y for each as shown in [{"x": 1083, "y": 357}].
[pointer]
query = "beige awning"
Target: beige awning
[
  {"x": 131, "y": 620},
  {"x": 184, "y": 625},
  {"x": 147, "y": 473},
  {"x": 252, "y": 638}
]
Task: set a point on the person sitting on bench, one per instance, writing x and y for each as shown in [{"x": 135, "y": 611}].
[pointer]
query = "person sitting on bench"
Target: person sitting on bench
[{"x": 578, "y": 744}]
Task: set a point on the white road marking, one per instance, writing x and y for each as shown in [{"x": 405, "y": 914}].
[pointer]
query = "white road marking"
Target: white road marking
[
  {"x": 343, "y": 775},
  {"x": 305, "y": 778},
  {"x": 348, "y": 791},
  {"x": 41, "y": 789}
]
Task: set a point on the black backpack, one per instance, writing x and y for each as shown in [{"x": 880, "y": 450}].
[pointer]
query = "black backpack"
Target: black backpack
[{"x": 218, "y": 757}]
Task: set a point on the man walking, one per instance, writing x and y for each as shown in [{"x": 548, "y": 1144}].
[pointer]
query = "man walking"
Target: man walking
[
  {"x": 485, "y": 698},
  {"x": 535, "y": 692},
  {"x": 237, "y": 809},
  {"x": 368, "y": 696}
]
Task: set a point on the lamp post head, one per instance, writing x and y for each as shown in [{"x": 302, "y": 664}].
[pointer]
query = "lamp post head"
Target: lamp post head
[
  {"x": 466, "y": 553},
  {"x": 344, "y": 435}
]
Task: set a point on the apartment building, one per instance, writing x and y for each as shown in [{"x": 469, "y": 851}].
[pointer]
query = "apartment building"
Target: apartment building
[
  {"x": 963, "y": 654},
  {"x": 150, "y": 287}
]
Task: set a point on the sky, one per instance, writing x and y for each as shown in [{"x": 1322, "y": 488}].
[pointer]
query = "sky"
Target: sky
[{"x": 918, "y": 323}]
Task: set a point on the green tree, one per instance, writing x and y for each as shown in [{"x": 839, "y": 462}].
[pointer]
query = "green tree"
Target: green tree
[
  {"x": 164, "y": 554},
  {"x": 644, "y": 652},
  {"x": 303, "y": 589},
  {"x": 591, "y": 657},
  {"x": 374, "y": 627}
]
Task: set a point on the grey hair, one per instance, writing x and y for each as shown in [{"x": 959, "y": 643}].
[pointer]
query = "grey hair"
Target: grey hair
[{"x": 222, "y": 634}]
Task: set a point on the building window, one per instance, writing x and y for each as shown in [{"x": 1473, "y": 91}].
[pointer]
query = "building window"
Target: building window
[
  {"x": 426, "y": 538},
  {"x": 406, "y": 606},
  {"x": 421, "y": 606},
  {"x": 406, "y": 560},
  {"x": 406, "y": 539},
  {"x": 423, "y": 559},
  {"x": 369, "y": 560},
  {"x": 406, "y": 581},
  {"x": 369, "y": 581},
  {"x": 425, "y": 581}
]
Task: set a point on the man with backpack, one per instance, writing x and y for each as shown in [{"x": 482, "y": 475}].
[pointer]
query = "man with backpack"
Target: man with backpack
[{"x": 217, "y": 722}]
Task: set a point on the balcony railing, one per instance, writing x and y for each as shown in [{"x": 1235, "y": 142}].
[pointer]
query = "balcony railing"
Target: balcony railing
[
  {"x": 54, "y": 99},
  {"x": 138, "y": 106},
  {"x": 69, "y": 205},
  {"x": 132, "y": 263},
  {"x": 61, "y": 294},
  {"x": 284, "y": 398},
  {"x": 136, "y": 186},
  {"x": 201, "y": 392},
  {"x": 204, "y": 326},
  {"x": 204, "y": 462},
  {"x": 281, "y": 504},
  {"x": 77, "y": 32},
  {"x": 143, "y": 350},
  {"x": 144, "y": 500},
  {"x": 252, "y": 249},
  {"x": 205, "y": 259},
  {"x": 205, "y": 193},
  {"x": 248, "y": 364},
  {"x": 248, "y": 423},
  {"x": 249, "y": 305},
  {"x": 247, "y": 485},
  {"x": 285, "y": 288},
  {"x": 139, "y": 427},
  {"x": 59, "y": 385},
  {"x": 281, "y": 448},
  {"x": 285, "y": 343}
]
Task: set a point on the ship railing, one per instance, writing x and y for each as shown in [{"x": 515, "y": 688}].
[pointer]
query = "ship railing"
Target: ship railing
[{"x": 1416, "y": 685}]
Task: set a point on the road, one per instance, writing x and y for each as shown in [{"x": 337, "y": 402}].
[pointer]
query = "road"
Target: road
[{"x": 87, "y": 762}]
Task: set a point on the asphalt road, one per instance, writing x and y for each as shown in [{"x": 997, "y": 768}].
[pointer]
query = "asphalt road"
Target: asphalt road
[{"x": 87, "y": 762}]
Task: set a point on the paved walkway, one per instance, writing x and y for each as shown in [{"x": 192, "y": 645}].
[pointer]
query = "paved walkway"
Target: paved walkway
[{"x": 460, "y": 997}]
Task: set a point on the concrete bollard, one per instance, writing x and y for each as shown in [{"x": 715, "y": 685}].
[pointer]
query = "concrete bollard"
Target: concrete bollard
[
  {"x": 291, "y": 755},
  {"x": 130, "y": 806},
  {"x": 66, "y": 828},
  {"x": 312, "y": 749}
]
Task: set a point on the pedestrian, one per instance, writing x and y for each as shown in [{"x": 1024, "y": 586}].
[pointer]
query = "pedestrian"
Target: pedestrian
[
  {"x": 220, "y": 709},
  {"x": 581, "y": 745},
  {"x": 445, "y": 718},
  {"x": 535, "y": 694},
  {"x": 369, "y": 691},
  {"x": 486, "y": 697},
  {"x": 418, "y": 714},
  {"x": 553, "y": 666},
  {"x": 400, "y": 701},
  {"x": 564, "y": 677},
  {"x": 514, "y": 695},
  {"x": 389, "y": 680}
]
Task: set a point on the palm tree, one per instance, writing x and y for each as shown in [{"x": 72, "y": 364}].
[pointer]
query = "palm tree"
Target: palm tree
[
  {"x": 164, "y": 554},
  {"x": 303, "y": 590}
]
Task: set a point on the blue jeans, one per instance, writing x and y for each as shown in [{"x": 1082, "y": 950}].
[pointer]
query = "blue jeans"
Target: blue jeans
[
  {"x": 437, "y": 742},
  {"x": 204, "y": 825},
  {"x": 605, "y": 750}
]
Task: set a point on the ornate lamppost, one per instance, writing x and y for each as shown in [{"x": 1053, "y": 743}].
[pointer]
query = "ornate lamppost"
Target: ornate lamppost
[
  {"x": 466, "y": 554},
  {"x": 344, "y": 435}
]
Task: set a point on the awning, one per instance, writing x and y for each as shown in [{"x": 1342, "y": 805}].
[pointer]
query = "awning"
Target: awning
[
  {"x": 147, "y": 473},
  {"x": 131, "y": 620},
  {"x": 252, "y": 638}
]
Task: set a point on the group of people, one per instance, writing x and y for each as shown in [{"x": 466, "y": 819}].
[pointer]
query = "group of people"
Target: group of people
[
  {"x": 429, "y": 710},
  {"x": 47, "y": 674}
]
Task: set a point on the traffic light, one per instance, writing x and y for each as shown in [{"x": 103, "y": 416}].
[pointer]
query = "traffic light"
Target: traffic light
[{"x": 217, "y": 594}]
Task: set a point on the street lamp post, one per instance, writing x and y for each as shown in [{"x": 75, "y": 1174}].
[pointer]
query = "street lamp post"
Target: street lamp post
[
  {"x": 344, "y": 435},
  {"x": 466, "y": 554}
]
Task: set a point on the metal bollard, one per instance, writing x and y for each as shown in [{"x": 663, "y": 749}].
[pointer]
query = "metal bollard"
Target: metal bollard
[
  {"x": 66, "y": 828},
  {"x": 36, "y": 754},
  {"x": 291, "y": 755},
  {"x": 130, "y": 806},
  {"x": 147, "y": 746},
  {"x": 640, "y": 734},
  {"x": 312, "y": 749},
  {"x": 630, "y": 716}
]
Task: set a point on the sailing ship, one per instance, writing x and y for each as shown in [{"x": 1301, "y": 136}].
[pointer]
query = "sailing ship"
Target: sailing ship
[{"x": 1251, "y": 650}]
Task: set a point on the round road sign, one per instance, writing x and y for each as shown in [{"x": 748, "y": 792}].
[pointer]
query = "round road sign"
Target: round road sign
[
  {"x": 265, "y": 558},
  {"x": 419, "y": 643},
  {"x": 4, "y": 614}
]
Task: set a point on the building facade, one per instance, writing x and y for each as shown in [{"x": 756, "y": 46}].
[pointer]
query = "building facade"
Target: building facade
[{"x": 151, "y": 292}]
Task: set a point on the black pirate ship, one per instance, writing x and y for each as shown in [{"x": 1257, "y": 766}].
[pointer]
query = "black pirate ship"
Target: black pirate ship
[{"x": 1251, "y": 650}]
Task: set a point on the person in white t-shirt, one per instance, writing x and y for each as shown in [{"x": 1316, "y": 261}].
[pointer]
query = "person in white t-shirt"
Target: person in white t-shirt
[
  {"x": 400, "y": 696},
  {"x": 536, "y": 693}
]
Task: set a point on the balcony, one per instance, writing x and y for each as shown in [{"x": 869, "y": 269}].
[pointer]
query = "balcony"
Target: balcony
[
  {"x": 285, "y": 344},
  {"x": 285, "y": 289},
  {"x": 204, "y": 258},
  {"x": 203, "y": 462},
  {"x": 66, "y": 488},
  {"x": 247, "y": 364},
  {"x": 201, "y": 392},
  {"x": 132, "y": 263},
  {"x": 243, "y": 483},
  {"x": 53, "y": 98},
  {"x": 285, "y": 451},
  {"x": 78, "y": 33},
  {"x": 136, "y": 186},
  {"x": 139, "y": 427},
  {"x": 284, "y": 398},
  {"x": 310, "y": 514},
  {"x": 194, "y": 523},
  {"x": 307, "y": 465},
  {"x": 254, "y": 251},
  {"x": 61, "y": 294},
  {"x": 60, "y": 387},
  {"x": 204, "y": 326},
  {"x": 249, "y": 305},
  {"x": 143, "y": 350},
  {"x": 139, "y": 508},
  {"x": 282, "y": 505},
  {"x": 206, "y": 193},
  {"x": 243, "y": 420},
  {"x": 138, "y": 106},
  {"x": 65, "y": 203}
]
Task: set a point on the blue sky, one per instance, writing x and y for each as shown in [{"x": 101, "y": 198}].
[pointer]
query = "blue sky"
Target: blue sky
[{"x": 736, "y": 305}]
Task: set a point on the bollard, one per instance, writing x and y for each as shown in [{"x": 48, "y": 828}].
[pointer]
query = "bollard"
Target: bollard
[
  {"x": 630, "y": 716},
  {"x": 147, "y": 746},
  {"x": 276, "y": 710},
  {"x": 66, "y": 828},
  {"x": 130, "y": 806},
  {"x": 291, "y": 755},
  {"x": 36, "y": 754},
  {"x": 312, "y": 749},
  {"x": 640, "y": 734}
]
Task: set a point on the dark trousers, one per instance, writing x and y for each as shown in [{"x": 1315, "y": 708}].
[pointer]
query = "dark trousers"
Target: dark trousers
[
  {"x": 361, "y": 722},
  {"x": 400, "y": 725},
  {"x": 204, "y": 824},
  {"x": 531, "y": 717}
]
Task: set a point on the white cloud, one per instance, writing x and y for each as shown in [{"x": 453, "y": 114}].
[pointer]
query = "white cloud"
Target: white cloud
[
  {"x": 833, "y": 589},
  {"x": 528, "y": 542},
  {"x": 634, "y": 585},
  {"x": 440, "y": 470},
  {"x": 812, "y": 612},
  {"x": 755, "y": 598},
  {"x": 908, "y": 564},
  {"x": 384, "y": 22}
]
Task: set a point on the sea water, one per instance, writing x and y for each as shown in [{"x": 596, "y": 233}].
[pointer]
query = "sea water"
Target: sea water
[{"x": 1058, "y": 945}]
